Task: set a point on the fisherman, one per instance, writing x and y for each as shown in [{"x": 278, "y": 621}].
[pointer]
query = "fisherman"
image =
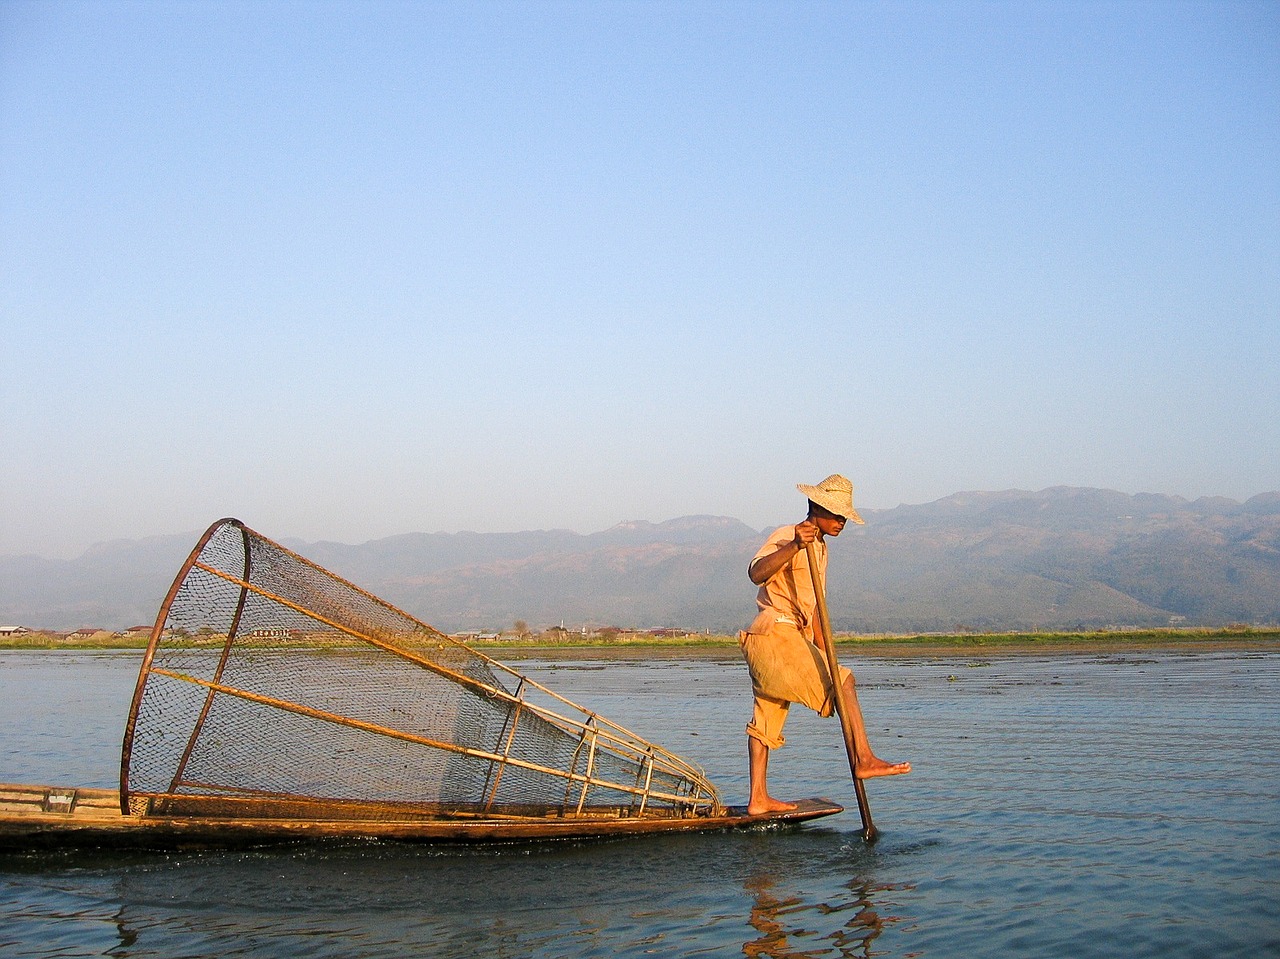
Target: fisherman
[{"x": 782, "y": 648}]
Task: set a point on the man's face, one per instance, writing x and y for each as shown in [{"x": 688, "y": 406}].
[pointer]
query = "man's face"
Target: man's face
[{"x": 828, "y": 523}]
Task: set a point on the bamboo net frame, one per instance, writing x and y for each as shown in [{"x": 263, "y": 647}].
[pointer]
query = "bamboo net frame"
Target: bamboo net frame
[{"x": 272, "y": 687}]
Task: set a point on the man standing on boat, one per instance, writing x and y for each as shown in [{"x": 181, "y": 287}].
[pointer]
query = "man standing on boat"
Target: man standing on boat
[{"x": 781, "y": 646}]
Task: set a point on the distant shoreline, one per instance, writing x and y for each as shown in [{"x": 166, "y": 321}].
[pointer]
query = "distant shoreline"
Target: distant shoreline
[
  {"x": 888, "y": 645},
  {"x": 698, "y": 645}
]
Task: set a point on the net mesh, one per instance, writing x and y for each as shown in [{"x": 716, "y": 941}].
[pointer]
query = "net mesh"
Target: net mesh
[{"x": 272, "y": 687}]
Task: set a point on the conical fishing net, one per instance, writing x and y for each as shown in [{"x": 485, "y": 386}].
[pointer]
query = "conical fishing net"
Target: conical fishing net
[{"x": 273, "y": 688}]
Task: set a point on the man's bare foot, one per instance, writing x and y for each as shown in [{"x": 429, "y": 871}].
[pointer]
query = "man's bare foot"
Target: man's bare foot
[
  {"x": 769, "y": 804},
  {"x": 878, "y": 767}
]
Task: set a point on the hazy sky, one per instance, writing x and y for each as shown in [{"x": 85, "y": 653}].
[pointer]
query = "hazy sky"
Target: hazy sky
[{"x": 350, "y": 269}]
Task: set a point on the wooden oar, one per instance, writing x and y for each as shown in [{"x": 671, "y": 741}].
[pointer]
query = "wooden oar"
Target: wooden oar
[{"x": 869, "y": 831}]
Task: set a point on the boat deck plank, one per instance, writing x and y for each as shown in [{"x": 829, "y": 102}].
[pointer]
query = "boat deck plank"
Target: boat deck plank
[{"x": 46, "y": 817}]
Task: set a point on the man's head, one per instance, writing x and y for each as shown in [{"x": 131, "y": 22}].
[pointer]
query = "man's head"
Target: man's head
[{"x": 833, "y": 497}]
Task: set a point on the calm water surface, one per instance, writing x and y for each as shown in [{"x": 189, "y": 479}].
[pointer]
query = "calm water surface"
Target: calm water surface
[{"x": 1085, "y": 805}]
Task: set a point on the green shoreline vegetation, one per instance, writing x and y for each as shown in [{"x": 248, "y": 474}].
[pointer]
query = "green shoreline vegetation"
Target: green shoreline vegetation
[{"x": 636, "y": 642}]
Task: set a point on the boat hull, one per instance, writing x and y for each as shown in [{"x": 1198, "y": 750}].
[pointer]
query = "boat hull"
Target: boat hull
[{"x": 43, "y": 817}]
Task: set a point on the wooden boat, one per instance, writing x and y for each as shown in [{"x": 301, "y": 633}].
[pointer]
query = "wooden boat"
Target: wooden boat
[
  {"x": 45, "y": 817},
  {"x": 279, "y": 702}
]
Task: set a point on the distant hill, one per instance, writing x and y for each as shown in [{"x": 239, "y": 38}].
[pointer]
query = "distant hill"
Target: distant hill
[
  {"x": 1058, "y": 558},
  {"x": 1062, "y": 557}
]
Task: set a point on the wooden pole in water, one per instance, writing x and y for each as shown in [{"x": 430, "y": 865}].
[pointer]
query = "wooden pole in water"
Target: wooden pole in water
[{"x": 869, "y": 831}]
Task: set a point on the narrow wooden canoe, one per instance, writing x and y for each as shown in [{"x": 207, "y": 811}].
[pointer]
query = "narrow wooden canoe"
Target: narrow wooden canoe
[{"x": 47, "y": 817}]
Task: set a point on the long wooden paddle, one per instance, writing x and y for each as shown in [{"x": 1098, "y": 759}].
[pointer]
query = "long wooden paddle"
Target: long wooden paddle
[{"x": 869, "y": 831}]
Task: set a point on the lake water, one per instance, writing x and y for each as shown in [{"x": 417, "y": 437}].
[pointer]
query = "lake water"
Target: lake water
[{"x": 1116, "y": 804}]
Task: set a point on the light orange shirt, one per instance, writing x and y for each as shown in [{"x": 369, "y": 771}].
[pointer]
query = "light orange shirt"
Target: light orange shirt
[{"x": 789, "y": 593}]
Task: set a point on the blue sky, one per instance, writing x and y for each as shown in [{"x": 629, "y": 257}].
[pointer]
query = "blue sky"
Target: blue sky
[{"x": 345, "y": 270}]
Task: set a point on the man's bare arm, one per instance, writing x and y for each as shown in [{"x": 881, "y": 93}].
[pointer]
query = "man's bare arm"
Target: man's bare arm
[{"x": 768, "y": 566}]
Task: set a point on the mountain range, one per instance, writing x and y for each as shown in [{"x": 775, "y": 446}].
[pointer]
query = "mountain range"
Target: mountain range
[{"x": 1059, "y": 558}]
